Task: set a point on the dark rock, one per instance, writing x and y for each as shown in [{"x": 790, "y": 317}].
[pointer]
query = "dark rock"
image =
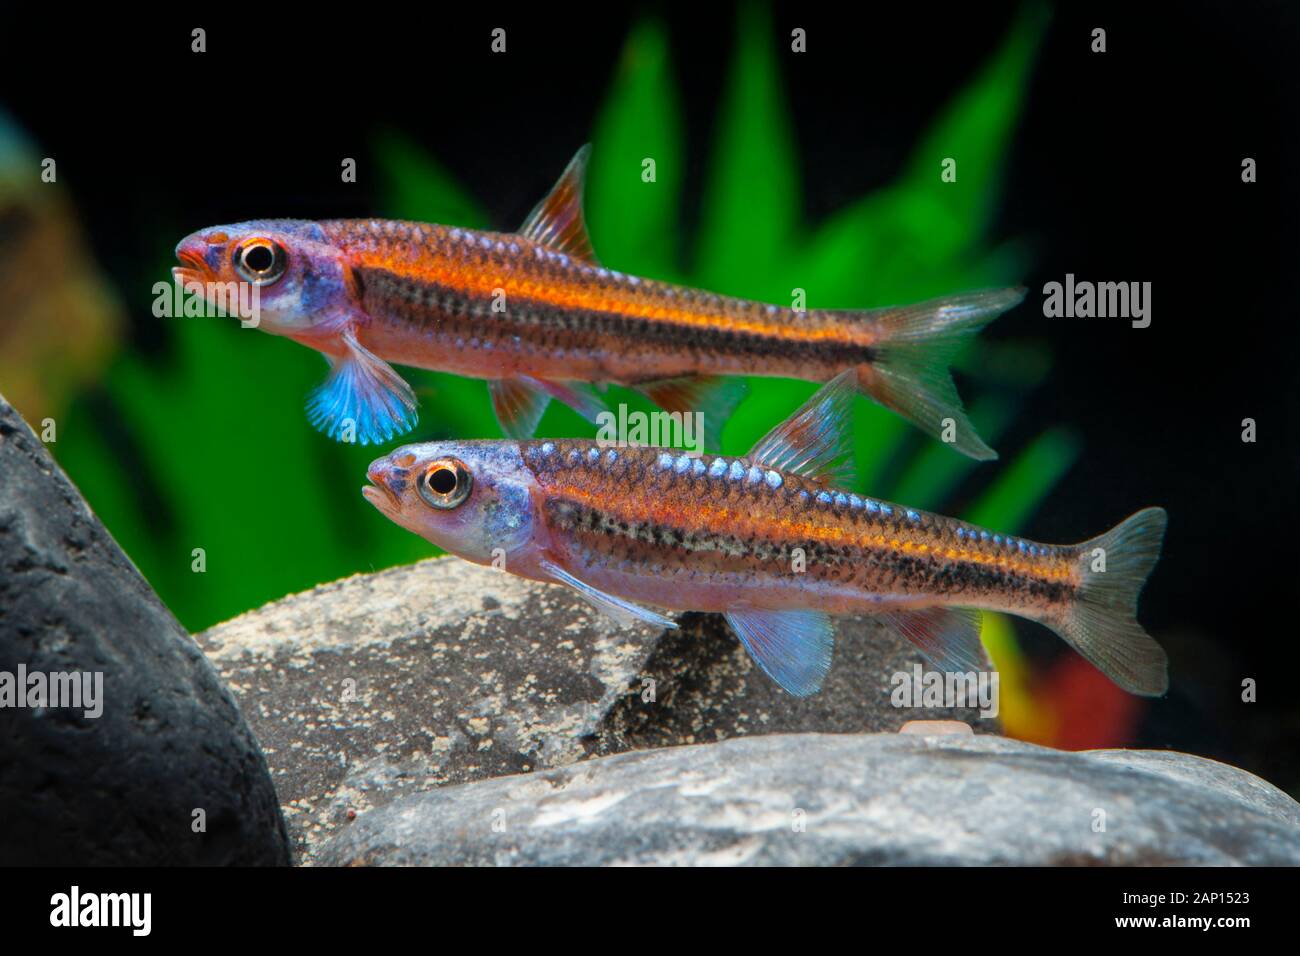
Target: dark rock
[
  {"x": 460, "y": 673},
  {"x": 120, "y": 788},
  {"x": 813, "y": 799},
  {"x": 708, "y": 689}
]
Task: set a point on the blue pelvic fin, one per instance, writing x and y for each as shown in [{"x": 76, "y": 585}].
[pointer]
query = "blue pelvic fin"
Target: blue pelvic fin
[
  {"x": 949, "y": 637},
  {"x": 518, "y": 407},
  {"x": 713, "y": 395},
  {"x": 362, "y": 400},
  {"x": 792, "y": 647},
  {"x": 623, "y": 612},
  {"x": 815, "y": 441},
  {"x": 557, "y": 221}
]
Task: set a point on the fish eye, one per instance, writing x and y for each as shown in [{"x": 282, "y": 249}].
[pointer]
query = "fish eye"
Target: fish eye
[
  {"x": 446, "y": 483},
  {"x": 260, "y": 261}
]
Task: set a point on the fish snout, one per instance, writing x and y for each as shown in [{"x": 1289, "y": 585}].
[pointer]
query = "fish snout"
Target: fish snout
[
  {"x": 200, "y": 256},
  {"x": 378, "y": 471},
  {"x": 386, "y": 482}
]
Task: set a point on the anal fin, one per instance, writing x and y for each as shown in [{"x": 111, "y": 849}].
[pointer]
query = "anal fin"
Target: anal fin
[
  {"x": 949, "y": 637},
  {"x": 520, "y": 402},
  {"x": 713, "y": 395}
]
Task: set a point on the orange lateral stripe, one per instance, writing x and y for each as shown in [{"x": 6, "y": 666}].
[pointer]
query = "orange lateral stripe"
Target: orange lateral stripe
[
  {"x": 654, "y": 509},
  {"x": 627, "y": 302}
]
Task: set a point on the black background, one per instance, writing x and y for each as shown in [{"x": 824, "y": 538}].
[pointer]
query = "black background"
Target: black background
[{"x": 1126, "y": 166}]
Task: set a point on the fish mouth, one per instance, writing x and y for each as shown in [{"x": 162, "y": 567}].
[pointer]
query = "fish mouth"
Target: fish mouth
[
  {"x": 379, "y": 496},
  {"x": 193, "y": 268},
  {"x": 378, "y": 493}
]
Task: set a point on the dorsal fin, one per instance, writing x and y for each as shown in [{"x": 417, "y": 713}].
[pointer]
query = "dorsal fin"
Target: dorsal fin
[
  {"x": 557, "y": 221},
  {"x": 816, "y": 441}
]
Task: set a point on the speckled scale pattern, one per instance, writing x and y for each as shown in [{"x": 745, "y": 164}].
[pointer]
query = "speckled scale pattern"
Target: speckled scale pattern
[
  {"x": 661, "y": 511},
  {"x": 443, "y": 282}
]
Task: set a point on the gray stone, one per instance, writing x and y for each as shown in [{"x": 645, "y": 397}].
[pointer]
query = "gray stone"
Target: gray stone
[
  {"x": 436, "y": 673},
  {"x": 814, "y": 799},
  {"x": 708, "y": 689},
  {"x": 443, "y": 672},
  {"x": 121, "y": 788}
]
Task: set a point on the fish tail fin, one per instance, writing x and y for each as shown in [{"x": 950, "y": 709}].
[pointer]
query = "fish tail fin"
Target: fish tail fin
[
  {"x": 1101, "y": 622},
  {"x": 909, "y": 371}
]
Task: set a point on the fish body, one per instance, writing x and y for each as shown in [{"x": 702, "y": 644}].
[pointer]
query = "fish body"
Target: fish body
[
  {"x": 769, "y": 540},
  {"x": 428, "y": 291},
  {"x": 537, "y": 316},
  {"x": 714, "y": 532}
]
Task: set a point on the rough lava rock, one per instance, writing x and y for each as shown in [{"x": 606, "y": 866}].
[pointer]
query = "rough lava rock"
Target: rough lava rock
[
  {"x": 815, "y": 799},
  {"x": 443, "y": 672},
  {"x": 121, "y": 788}
]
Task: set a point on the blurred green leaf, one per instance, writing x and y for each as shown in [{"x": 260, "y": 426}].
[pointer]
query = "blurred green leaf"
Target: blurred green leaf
[
  {"x": 1023, "y": 484},
  {"x": 751, "y": 205},
  {"x": 932, "y": 474},
  {"x": 921, "y": 236},
  {"x": 632, "y": 221},
  {"x": 415, "y": 186},
  {"x": 233, "y": 469}
]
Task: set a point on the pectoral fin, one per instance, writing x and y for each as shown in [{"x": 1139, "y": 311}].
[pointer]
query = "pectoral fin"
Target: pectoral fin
[
  {"x": 363, "y": 399},
  {"x": 624, "y": 612},
  {"x": 792, "y": 647}
]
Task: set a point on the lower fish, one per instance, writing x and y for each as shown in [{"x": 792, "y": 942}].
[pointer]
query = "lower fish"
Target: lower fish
[
  {"x": 536, "y": 315},
  {"x": 769, "y": 541}
]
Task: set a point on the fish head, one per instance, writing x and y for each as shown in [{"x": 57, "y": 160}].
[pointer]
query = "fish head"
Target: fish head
[
  {"x": 287, "y": 272},
  {"x": 472, "y": 498}
]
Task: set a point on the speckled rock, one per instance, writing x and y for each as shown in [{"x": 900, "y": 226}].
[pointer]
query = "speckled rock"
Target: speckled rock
[
  {"x": 813, "y": 799},
  {"x": 707, "y": 689},
  {"x": 437, "y": 673},
  {"x": 443, "y": 672},
  {"x": 124, "y": 787}
]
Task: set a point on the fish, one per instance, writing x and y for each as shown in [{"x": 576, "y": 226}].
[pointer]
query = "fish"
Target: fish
[
  {"x": 772, "y": 542},
  {"x": 536, "y": 315}
]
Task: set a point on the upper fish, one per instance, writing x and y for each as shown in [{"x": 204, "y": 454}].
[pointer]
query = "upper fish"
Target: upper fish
[{"x": 539, "y": 317}]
